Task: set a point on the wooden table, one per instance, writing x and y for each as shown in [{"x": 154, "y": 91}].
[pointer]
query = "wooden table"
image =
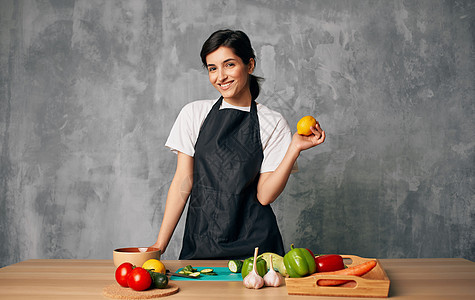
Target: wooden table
[{"x": 452, "y": 278}]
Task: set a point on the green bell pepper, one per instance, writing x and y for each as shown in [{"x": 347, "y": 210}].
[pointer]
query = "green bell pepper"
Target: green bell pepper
[
  {"x": 299, "y": 262},
  {"x": 261, "y": 266}
]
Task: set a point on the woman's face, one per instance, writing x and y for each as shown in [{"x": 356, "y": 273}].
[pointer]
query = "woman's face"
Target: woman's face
[{"x": 230, "y": 76}]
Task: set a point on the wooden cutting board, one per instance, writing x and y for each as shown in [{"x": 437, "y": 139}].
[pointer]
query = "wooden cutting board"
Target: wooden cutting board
[
  {"x": 118, "y": 292},
  {"x": 373, "y": 284}
]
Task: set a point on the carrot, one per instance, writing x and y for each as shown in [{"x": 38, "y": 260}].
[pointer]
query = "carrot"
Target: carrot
[{"x": 358, "y": 270}]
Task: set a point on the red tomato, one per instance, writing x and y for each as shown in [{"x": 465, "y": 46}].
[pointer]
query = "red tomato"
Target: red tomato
[
  {"x": 329, "y": 263},
  {"x": 139, "y": 279},
  {"x": 122, "y": 273}
]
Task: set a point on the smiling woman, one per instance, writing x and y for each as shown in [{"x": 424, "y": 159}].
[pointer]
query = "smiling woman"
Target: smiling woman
[
  {"x": 230, "y": 140},
  {"x": 240, "y": 50},
  {"x": 90, "y": 91},
  {"x": 230, "y": 75}
]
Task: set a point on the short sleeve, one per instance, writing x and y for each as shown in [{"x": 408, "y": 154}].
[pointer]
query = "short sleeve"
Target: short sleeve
[
  {"x": 276, "y": 147},
  {"x": 186, "y": 128},
  {"x": 181, "y": 136}
]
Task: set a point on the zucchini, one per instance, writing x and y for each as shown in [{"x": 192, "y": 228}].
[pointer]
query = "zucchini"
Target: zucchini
[
  {"x": 194, "y": 274},
  {"x": 235, "y": 265},
  {"x": 204, "y": 271},
  {"x": 190, "y": 269},
  {"x": 210, "y": 273}
]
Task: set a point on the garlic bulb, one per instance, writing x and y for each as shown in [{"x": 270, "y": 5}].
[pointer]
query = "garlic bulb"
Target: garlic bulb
[
  {"x": 273, "y": 278},
  {"x": 253, "y": 280}
]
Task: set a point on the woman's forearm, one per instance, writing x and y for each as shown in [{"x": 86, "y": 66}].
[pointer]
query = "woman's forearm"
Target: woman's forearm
[
  {"x": 271, "y": 184},
  {"x": 173, "y": 210},
  {"x": 178, "y": 193}
]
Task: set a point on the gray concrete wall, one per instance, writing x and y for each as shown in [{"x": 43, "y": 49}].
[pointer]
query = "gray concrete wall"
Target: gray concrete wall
[{"x": 90, "y": 89}]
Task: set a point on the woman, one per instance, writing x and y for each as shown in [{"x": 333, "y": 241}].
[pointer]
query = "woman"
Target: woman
[{"x": 234, "y": 158}]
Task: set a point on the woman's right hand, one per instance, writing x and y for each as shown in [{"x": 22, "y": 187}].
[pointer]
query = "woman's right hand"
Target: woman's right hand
[
  {"x": 178, "y": 193},
  {"x": 156, "y": 245}
]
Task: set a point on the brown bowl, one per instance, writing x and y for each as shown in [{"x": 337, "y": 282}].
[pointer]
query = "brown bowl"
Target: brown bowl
[{"x": 135, "y": 255}]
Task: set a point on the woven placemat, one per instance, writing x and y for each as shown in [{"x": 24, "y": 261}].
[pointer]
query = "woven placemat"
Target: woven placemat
[{"x": 117, "y": 292}]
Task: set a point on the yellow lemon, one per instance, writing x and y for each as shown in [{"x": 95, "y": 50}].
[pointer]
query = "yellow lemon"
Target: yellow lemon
[
  {"x": 155, "y": 265},
  {"x": 303, "y": 126}
]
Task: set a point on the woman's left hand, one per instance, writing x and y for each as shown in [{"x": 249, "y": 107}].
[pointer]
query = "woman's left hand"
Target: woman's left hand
[{"x": 304, "y": 142}]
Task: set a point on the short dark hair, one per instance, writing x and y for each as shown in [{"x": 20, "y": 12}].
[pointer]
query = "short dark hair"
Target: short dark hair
[{"x": 240, "y": 44}]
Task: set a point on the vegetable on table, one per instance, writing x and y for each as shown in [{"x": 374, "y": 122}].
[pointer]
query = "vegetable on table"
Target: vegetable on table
[
  {"x": 253, "y": 280},
  {"x": 155, "y": 265},
  {"x": 235, "y": 265},
  {"x": 277, "y": 261},
  {"x": 310, "y": 252},
  {"x": 248, "y": 264},
  {"x": 122, "y": 273},
  {"x": 299, "y": 262},
  {"x": 329, "y": 263},
  {"x": 208, "y": 271},
  {"x": 194, "y": 274},
  {"x": 188, "y": 270},
  {"x": 273, "y": 278},
  {"x": 139, "y": 279},
  {"x": 159, "y": 280},
  {"x": 358, "y": 270}
]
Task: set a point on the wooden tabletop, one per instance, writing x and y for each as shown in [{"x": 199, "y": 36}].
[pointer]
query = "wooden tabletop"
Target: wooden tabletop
[{"x": 450, "y": 278}]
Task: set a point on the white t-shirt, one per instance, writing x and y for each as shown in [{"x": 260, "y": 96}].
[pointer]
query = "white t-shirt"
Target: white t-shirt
[{"x": 274, "y": 130}]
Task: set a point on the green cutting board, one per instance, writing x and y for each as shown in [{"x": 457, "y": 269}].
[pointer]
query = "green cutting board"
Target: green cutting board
[{"x": 223, "y": 275}]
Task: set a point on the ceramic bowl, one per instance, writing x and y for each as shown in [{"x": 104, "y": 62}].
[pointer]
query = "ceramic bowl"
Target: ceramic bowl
[{"x": 135, "y": 255}]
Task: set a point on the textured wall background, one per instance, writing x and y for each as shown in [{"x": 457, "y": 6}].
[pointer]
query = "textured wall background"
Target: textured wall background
[{"x": 90, "y": 89}]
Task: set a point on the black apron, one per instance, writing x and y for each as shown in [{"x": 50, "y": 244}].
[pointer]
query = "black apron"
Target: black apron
[{"x": 225, "y": 220}]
